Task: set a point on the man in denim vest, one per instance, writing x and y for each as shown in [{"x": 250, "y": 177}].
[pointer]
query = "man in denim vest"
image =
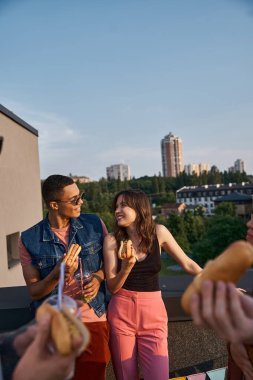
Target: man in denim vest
[{"x": 43, "y": 247}]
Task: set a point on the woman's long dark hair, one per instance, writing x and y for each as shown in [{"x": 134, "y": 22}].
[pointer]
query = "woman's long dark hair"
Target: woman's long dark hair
[{"x": 145, "y": 226}]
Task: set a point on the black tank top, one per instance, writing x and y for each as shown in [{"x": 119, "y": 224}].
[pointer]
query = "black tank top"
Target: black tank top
[{"x": 144, "y": 276}]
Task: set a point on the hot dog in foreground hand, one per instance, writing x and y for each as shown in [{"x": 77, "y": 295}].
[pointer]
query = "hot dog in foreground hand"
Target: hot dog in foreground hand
[
  {"x": 229, "y": 266},
  {"x": 64, "y": 328}
]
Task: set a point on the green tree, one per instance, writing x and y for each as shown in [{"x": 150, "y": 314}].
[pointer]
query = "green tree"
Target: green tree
[
  {"x": 225, "y": 208},
  {"x": 194, "y": 227},
  {"x": 176, "y": 226},
  {"x": 221, "y": 231}
]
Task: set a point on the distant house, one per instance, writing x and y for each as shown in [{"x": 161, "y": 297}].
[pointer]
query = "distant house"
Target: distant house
[
  {"x": 242, "y": 202},
  {"x": 170, "y": 208},
  {"x": 20, "y": 191},
  {"x": 81, "y": 179}
]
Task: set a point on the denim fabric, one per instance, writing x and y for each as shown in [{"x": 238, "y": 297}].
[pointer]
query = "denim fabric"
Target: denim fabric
[{"x": 46, "y": 249}]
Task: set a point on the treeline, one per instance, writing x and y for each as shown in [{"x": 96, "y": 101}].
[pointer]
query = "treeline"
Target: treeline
[
  {"x": 200, "y": 237},
  {"x": 160, "y": 190}
]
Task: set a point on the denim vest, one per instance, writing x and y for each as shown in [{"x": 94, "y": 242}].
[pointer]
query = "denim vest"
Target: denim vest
[{"x": 46, "y": 249}]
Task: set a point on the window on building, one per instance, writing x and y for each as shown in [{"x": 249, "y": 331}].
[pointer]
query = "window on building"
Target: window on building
[
  {"x": 12, "y": 249},
  {"x": 1, "y": 143}
]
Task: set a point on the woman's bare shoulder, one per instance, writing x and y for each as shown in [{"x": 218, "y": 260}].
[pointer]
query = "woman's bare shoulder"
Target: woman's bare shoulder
[{"x": 160, "y": 229}]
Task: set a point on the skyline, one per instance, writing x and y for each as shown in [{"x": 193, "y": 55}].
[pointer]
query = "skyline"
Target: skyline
[{"x": 104, "y": 83}]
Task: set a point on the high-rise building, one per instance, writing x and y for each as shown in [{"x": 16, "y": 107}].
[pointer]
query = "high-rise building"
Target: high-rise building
[
  {"x": 172, "y": 155},
  {"x": 239, "y": 165},
  {"x": 119, "y": 171},
  {"x": 196, "y": 168}
]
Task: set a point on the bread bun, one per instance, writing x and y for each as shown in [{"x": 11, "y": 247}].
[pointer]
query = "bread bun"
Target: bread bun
[
  {"x": 64, "y": 327},
  {"x": 125, "y": 249},
  {"x": 229, "y": 266}
]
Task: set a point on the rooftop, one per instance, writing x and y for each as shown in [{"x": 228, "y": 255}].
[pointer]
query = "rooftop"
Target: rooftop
[{"x": 191, "y": 349}]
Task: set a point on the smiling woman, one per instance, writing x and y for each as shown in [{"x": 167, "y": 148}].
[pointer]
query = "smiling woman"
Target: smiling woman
[{"x": 136, "y": 312}]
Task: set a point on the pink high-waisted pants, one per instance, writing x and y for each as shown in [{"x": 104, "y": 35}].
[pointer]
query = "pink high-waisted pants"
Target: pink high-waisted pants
[{"x": 138, "y": 334}]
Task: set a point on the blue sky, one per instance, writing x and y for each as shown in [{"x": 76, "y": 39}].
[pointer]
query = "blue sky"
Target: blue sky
[{"x": 105, "y": 81}]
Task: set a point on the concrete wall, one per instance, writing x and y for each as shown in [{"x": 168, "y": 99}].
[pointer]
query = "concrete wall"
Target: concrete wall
[{"x": 20, "y": 193}]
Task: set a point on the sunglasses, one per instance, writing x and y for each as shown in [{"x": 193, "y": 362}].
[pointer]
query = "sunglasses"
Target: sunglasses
[{"x": 75, "y": 201}]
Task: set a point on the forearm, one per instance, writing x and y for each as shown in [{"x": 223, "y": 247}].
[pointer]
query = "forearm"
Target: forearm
[
  {"x": 44, "y": 287},
  {"x": 192, "y": 268},
  {"x": 115, "y": 283},
  {"x": 100, "y": 274}
]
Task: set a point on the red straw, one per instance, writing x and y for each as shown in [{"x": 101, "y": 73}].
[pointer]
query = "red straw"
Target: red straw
[{"x": 81, "y": 273}]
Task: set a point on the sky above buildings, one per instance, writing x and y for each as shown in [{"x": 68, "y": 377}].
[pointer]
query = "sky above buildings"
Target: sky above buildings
[{"x": 105, "y": 81}]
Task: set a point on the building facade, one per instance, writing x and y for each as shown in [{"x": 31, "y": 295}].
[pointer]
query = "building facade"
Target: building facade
[
  {"x": 81, "y": 179},
  {"x": 238, "y": 166},
  {"x": 172, "y": 155},
  {"x": 20, "y": 191},
  {"x": 196, "y": 168},
  {"x": 206, "y": 195},
  {"x": 118, "y": 171}
]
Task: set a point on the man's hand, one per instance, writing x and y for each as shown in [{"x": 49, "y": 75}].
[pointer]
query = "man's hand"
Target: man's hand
[
  {"x": 71, "y": 260},
  {"x": 92, "y": 288}
]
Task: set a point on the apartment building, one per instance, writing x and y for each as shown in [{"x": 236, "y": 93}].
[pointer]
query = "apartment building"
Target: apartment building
[
  {"x": 20, "y": 191},
  {"x": 206, "y": 195},
  {"x": 196, "y": 168},
  {"x": 172, "y": 155},
  {"x": 238, "y": 166},
  {"x": 118, "y": 171},
  {"x": 81, "y": 179}
]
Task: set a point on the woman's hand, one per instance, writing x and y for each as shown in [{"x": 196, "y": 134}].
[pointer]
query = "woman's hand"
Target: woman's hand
[{"x": 128, "y": 263}]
